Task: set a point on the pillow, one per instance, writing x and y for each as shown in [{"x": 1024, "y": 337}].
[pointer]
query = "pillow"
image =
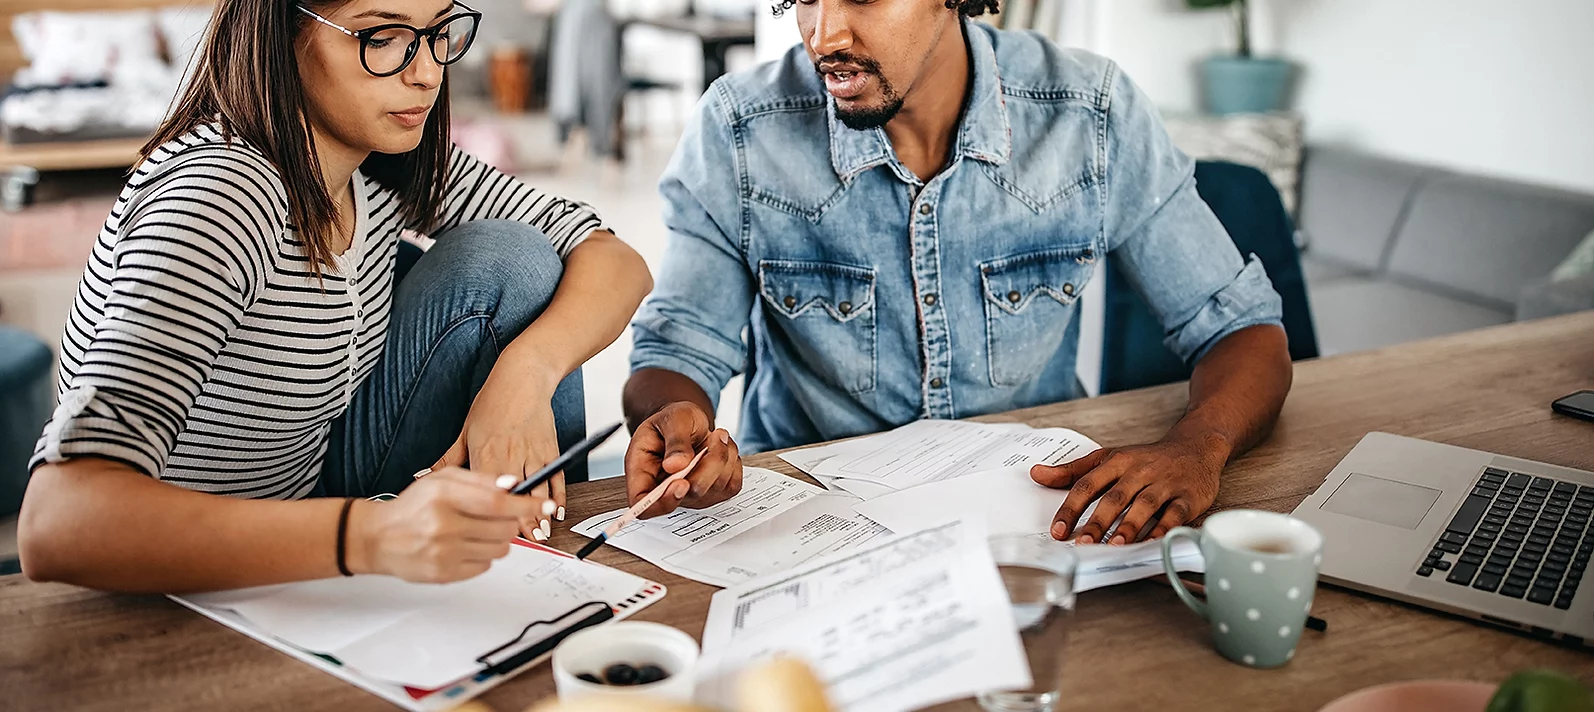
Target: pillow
[
  {"x": 1268, "y": 142},
  {"x": 1578, "y": 264},
  {"x": 80, "y": 47}
]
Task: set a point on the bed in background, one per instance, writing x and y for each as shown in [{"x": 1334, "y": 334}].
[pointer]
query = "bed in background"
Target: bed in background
[{"x": 55, "y": 155}]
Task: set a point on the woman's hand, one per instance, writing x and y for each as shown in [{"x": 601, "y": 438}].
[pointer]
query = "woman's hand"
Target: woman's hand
[
  {"x": 510, "y": 430},
  {"x": 448, "y": 526}
]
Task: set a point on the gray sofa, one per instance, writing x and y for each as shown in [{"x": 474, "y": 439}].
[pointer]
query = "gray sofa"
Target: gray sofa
[{"x": 1395, "y": 252}]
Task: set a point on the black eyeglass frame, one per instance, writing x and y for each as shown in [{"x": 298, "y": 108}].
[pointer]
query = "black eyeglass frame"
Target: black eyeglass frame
[{"x": 365, "y": 35}]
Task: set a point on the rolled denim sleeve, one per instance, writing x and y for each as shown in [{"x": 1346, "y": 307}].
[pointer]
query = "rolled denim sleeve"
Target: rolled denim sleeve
[
  {"x": 694, "y": 320},
  {"x": 1168, "y": 243}
]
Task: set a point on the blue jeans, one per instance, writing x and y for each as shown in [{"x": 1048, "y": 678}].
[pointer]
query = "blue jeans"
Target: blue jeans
[{"x": 455, "y": 308}]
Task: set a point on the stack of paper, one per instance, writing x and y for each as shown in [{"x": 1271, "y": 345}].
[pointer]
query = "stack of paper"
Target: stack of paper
[
  {"x": 915, "y": 477},
  {"x": 900, "y": 624},
  {"x": 931, "y": 472}
]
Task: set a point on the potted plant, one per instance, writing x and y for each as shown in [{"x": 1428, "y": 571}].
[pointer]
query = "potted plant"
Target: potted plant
[{"x": 1242, "y": 83}]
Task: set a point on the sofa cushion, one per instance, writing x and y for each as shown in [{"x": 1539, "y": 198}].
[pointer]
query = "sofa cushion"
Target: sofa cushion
[
  {"x": 1367, "y": 313},
  {"x": 1351, "y": 204},
  {"x": 1488, "y": 238},
  {"x": 1552, "y": 298}
]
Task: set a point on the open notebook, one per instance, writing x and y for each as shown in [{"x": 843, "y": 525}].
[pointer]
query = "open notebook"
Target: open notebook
[{"x": 431, "y": 647}]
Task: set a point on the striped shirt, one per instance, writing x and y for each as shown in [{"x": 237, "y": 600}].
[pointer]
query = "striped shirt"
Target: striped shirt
[{"x": 202, "y": 350}]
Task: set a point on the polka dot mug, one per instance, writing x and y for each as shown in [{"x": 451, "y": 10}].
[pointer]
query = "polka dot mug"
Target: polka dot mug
[{"x": 1261, "y": 572}]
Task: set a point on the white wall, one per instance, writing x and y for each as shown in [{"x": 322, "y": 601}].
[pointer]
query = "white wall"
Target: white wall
[
  {"x": 1481, "y": 86},
  {"x": 1504, "y": 89}
]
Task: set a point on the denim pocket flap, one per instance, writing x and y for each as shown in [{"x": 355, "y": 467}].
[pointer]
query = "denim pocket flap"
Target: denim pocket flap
[
  {"x": 795, "y": 288},
  {"x": 1014, "y": 283}
]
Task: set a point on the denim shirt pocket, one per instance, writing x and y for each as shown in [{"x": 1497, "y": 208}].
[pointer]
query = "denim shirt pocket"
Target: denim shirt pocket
[
  {"x": 1029, "y": 300},
  {"x": 828, "y": 312}
]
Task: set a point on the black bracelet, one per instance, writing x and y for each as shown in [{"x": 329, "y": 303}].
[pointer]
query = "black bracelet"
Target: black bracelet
[{"x": 343, "y": 537}]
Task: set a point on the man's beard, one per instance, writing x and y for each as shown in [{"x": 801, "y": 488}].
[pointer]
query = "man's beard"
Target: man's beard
[
  {"x": 864, "y": 119},
  {"x": 872, "y": 117}
]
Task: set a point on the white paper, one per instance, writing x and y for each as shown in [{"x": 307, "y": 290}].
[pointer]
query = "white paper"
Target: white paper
[
  {"x": 775, "y": 523},
  {"x": 1009, "y": 502},
  {"x": 934, "y": 450},
  {"x": 425, "y": 635},
  {"x": 900, "y": 624}
]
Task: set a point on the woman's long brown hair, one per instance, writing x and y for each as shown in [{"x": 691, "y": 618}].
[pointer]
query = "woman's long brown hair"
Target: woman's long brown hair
[{"x": 246, "y": 82}]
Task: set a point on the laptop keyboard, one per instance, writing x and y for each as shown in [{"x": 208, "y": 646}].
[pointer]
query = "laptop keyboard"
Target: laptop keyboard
[{"x": 1519, "y": 536}]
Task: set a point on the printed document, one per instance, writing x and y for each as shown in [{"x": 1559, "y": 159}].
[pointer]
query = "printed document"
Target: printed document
[
  {"x": 1010, "y": 502},
  {"x": 775, "y": 523},
  {"x": 934, "y": 450},
  {"x": 900, "y": 624}
]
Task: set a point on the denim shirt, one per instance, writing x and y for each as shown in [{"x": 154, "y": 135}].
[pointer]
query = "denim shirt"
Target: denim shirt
[{"x": 869, "y": 298}]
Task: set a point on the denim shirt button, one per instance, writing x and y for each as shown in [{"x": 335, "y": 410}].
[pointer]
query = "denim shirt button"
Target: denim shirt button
[
  {"x": 844, "y": 307},
  {"x": 1068, "y": 289},
  {"x": 790, "y": 302},
  {"x": 929, "y": 300},
  {"x": 1014, "y": 296},
  {"x": 937, "y": 383},
  {"x": 926, "y": 208}
]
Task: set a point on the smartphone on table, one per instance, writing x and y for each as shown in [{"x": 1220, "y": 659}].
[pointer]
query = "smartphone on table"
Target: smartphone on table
[{"x": 1578, "y": 405}]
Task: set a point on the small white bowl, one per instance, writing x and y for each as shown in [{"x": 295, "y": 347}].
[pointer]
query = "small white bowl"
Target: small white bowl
[{"x": 632, "y": 643}]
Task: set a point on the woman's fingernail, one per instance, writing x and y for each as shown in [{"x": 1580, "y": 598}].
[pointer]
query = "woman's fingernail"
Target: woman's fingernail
[
  {"x": 561, "y": 514},
  {"x": 1059, "y": 531},
  {"x": 506, "y": 482},
  {"x": 423, "y": 473},
  {"x": 538, "y": 535},
  {"x": 548, "y": 507},
  {"x": 725, "y": 437},
  {"x": 1118, "y": 540},
  {"x": 1085, "y": 539},
  {"x": 680, "y": 489},
  {"x": 547, "y": 529}
]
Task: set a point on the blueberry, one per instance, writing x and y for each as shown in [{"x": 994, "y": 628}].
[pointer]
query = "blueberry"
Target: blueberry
[
  {"x": 649, "y": 674},
  {"x": 620, "y": 674},
  {"x": 589, "y": 677}
]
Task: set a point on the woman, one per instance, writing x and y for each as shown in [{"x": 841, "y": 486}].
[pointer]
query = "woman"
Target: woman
[{"x": 250, "y": 326}]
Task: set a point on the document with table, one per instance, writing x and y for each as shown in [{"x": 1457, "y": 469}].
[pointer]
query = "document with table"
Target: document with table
[
  {"x": 898, "y": 624},
  {"x": 775, "y": 523}
]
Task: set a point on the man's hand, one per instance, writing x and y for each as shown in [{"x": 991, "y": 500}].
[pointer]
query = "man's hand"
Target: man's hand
[
  {"x": 1155, "y": 487},
  {"x": 665, "y": 443}
]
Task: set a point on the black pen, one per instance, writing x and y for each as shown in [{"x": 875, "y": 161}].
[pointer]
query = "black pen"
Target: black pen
[{"x": 559, "y": 463}]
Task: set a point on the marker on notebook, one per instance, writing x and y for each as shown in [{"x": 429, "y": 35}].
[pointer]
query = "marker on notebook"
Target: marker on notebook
[{"x": 641, "y": 506}]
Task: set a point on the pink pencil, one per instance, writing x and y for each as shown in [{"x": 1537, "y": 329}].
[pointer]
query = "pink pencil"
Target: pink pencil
[{"x": 637, "y": 509}]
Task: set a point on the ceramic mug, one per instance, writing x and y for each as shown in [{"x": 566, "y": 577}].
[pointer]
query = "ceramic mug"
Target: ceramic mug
[{"x": 1261, "y": 572}]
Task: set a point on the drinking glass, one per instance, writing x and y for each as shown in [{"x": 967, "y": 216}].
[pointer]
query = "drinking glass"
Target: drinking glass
[{"x": 1038, "y": 573}]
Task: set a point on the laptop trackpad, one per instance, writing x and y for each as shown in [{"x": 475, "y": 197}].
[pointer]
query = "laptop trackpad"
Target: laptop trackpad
[{"x": 1376, "y": 499}]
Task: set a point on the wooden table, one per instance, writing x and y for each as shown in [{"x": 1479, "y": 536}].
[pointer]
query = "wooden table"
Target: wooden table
[{"x": 1134, "y": 646}]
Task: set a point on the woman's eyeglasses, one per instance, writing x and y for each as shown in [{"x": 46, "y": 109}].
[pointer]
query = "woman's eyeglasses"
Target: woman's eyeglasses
[{"x": 386, "y": 50}]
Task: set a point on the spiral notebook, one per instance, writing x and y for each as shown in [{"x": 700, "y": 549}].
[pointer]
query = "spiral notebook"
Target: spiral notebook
[{"x": 430, "y": 647}]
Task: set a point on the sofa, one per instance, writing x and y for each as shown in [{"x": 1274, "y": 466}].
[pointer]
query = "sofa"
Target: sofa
[{"x": 1396, "y": 252}]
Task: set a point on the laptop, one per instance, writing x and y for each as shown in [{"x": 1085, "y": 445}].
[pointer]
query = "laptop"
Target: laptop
[{"x": 1494, "y": 538}]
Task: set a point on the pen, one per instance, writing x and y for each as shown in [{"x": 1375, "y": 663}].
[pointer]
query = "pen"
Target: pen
[
  {"x": 637, "y": 509},
  {"x": 559, "y": 463}
]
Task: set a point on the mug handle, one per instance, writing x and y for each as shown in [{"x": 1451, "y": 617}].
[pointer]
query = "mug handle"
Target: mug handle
[{"x": 1195, "y": 604}]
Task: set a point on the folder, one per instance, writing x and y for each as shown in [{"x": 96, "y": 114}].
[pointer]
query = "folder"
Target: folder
[{"x": 431, "y": 647}]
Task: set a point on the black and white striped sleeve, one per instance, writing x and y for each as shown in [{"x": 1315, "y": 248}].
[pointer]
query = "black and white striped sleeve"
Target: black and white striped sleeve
[
  {"x": 477, "y": 191},
  {"x": 175, "y": 286}
]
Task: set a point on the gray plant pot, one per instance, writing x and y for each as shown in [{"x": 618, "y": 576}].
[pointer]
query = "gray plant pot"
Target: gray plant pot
[{"x": 1240, "y": 85}]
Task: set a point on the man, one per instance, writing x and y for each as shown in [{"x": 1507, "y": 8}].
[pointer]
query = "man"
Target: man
[{"x": 902, "y": 215}]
